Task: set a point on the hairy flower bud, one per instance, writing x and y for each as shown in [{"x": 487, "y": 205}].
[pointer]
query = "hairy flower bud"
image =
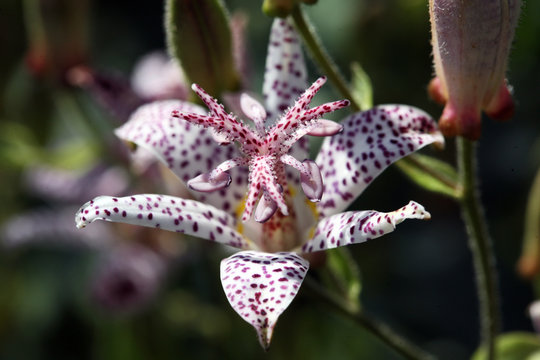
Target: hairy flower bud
[{"x": 471, "y": 42}]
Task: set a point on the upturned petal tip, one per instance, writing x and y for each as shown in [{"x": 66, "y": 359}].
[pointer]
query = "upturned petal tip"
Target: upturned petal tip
[{"x": 354, "y": 227}]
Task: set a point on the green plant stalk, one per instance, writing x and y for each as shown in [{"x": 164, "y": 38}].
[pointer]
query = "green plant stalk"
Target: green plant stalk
[
  {"x": 33, "y": 22},
  {"x": 529, "y": 261},
  {"x": 412, "y": 159},
  {"x": 479, "y": 244},
  {"x": 380, "y": 330},
  {"x": 320, "y": 55}
]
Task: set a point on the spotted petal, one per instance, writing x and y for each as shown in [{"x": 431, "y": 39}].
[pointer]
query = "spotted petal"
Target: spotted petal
[
  {"x": 186, "y": 149},
  {"x": 260, "y": 286},
  {"x": 370, "y": 142},
  {"x": 355, "y": 227},
  {"x": 164, "y": 212},
  {"x": 285, "y": 75},
  {"x": 285, "y": 79}
]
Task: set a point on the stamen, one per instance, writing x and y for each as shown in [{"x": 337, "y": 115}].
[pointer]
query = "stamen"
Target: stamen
[
  {"x": 326, "y": 108},
  {"x": 255, "y": 111},
  {"x": 205, "y": 183},
  {"x": 215, "y": 108},
  {"x": 326, "y": 128},
  {"x": 310, "y": 177},
  {"x": 266, "y": 153},
  {"x": 313, "y": 184},
  {"x": 265, "y": 209},
  {"x": 227, "y": 165}
]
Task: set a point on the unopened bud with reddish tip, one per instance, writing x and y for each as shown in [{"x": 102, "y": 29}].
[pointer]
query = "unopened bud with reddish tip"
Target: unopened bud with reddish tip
[{"x": 471, "y": 42}]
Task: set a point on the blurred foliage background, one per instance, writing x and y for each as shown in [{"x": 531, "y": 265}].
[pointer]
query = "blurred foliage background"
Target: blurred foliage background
[{"x": 418, "y": 279}]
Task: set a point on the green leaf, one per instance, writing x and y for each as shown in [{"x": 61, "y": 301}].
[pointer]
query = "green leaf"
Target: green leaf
[
  {"x": 431, "y": 174},
  {"x": 513, "y": 346},
  {"x": 361, "y": 88},
  {"x": 18, "y": 146},
  {"x": 19, "y": 149},
  {"x": 73, "y": 155},
  {"x": 344, "y": 274},
  {"x": 199, "y": 37}
]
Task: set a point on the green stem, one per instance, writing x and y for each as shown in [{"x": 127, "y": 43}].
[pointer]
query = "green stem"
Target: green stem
[
  {"x": 320, "y": 55},
  {"x": 382, "y": 331},
  {"x": 479, "y": 244},
  {"x": 413, "y": 160},
  {"x": 35, "y": 28},
  {"x": 529, "y": 260}
]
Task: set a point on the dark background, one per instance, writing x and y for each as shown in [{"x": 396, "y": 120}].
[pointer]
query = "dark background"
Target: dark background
[{"x": 418, "y": 279}]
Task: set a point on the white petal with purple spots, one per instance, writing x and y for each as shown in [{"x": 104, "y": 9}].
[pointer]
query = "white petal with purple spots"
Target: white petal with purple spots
[
  {"x": 164, "y": 212},
  {"x": 285, "y": 75},
  {"x": 285, "y": 79},
  {"x": 260, "y": 286},
  {"x": 370, "y": 142},
  {"x": 188, "y": 150},
  {"x": 355, "y": 227}
]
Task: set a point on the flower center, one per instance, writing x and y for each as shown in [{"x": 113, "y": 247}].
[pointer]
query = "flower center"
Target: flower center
[{"x": 265, "y": 150}]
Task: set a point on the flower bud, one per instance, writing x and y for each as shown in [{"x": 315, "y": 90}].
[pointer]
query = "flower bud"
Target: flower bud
[
  {"x": 471, "y": 42},
  {"x": 199, "y": 37}
]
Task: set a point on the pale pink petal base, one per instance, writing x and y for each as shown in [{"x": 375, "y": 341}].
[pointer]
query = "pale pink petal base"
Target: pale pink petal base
[
  {"x": 167, "y": 213},
  {"x": 355, "y": 227},
  {"x": 260, "y": 286},
  {"x": 369, "y": 143}
]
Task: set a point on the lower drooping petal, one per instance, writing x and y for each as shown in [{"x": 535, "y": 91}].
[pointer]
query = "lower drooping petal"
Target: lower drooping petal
[
  {"x": 370, "y": 142},
  {"x": 167, "y": 213},
  {"x": 260, "y": 286},
  {"x": 354, "y": 227}
]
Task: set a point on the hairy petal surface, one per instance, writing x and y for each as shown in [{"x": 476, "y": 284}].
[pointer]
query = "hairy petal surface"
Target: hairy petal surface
[
  {"x": 164, "y": 212},
  {"x": 260, "y": 286},
  {"x": 370, "y": 142},
  {"x": 355, "y": 227},
  {"x": 187, "y": 149}
]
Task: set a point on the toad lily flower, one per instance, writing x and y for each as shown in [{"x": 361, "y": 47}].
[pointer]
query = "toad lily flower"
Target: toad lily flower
[{"x": 261, "y": 280}]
